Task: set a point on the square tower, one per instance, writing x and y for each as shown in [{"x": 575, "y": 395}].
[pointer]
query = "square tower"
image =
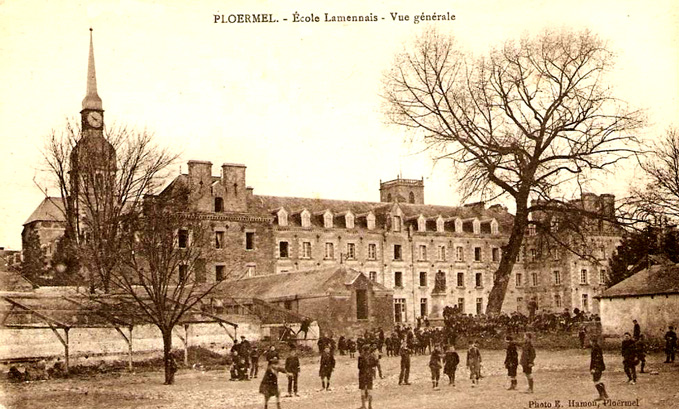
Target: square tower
[{"x": 402, "y": 191}]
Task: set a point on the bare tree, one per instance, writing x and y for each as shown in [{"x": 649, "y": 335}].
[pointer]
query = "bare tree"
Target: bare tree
[
  {"x": 99, "y": 177},
  {"x": 523, "y": 122},
  {"x": 658, "y": 199},
  {"x": 161, "y": 259}
]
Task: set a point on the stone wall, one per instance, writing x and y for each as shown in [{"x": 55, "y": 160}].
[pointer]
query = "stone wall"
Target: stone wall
[{"x": 654, "y": 314}]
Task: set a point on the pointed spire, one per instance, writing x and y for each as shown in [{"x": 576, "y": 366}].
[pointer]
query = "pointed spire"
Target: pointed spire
[{"x": 91, "y": 100}]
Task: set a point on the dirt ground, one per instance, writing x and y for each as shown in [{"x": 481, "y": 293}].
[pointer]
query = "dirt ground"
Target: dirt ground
[{"x": 560, "y": 377}]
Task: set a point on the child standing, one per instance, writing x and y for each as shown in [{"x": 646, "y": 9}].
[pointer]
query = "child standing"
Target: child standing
[
  {"x": 326, "y": 368},
  {"x": 451, "y": 360},
  {"x": 292, "y": 368},
  {"x": 474, "y": 363},
  {"x": 366, "y": 372},
  {"x": 435, "y": 366},
  {"x": 269, "y": 385}
]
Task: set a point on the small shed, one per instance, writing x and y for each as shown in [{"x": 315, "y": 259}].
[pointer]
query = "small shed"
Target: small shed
[{"x": 650, "y": 296}]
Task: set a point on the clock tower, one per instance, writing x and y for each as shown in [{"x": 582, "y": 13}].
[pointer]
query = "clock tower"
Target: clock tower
[
  {"x": 92, "y": 113},
  {"x": 93, "y": 158}
]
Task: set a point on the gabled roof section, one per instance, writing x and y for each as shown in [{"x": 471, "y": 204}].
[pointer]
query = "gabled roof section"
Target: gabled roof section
[
  {"x": 299, "y": 284},
  {"x": 50, "y": 210},
  {"x": 657, "y": 280}
]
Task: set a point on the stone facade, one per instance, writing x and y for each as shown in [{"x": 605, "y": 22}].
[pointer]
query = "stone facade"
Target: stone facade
[{"x": 556, "y": 278}]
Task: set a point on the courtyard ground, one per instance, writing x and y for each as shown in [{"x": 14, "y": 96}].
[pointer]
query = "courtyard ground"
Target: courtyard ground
[{"x": 560, "y": 376}]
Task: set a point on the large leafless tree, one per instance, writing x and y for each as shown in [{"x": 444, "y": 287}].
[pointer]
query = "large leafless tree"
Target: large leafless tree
[
  {"x": 99, "y": 178},
  {"x": 520, "y": 122}
]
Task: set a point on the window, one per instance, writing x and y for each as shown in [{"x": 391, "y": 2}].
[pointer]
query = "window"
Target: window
[
  {"x": 519, "y": 279},
  {"x": 585, "y": 302},
  {"x": 422, "y": 252},
  {"x": 421, "y": 223},
  {"x": 249, "y": 240},
  {"x": 518, "y": 256},
  {"x": 282, "y": 218},
  {"x": 533, "y": 255},
  {"x": 372, "y": 275},
  {"x": 440, "y": 225},
  {"x": 411, "y": 197},
  {"x": 287, "y": 304},
  {"x": 496, "y": 254},
  {"x": 370, "y": 221},
  {"x": 424, "y": 311},
  {"x": 398, "y": 279},
  {"x": 554, "y": 225},
  {"x": 399, "y": 310},
  {"x": 557, "y": 300},
  {"x": 372, "y": 251},
  {"x": 459, "y": 253},
  {"x": 534, "y": 279},
  {"x": 519, "y": 303},
  {"x": 397, "y": 223},
  {"x": 479, "y": 306},
  {"x": 557, "y": 277},
  {"x": 306, "y": 249},
  {"x": 602, "y": 252},
  {"x": 460, "y": 279},
  {"x": 351, "y": 251},
  {"x": 283, "y": 249},
  {"x": 219, "y": 239},
  {"x": 219, "y": 205},
  {"x": 361, "y": 305},
  {"x": 476, "y": 225},
  {"x": 478, "y": 279},
  {"x": 183, "y": 238},
  {"x": 220, "y": 274},
  {"x": 442, "y": 253},
  {"x": 306, "y": 218},
  {"x": 477, "y": 253},
  {"x": 328, "y": 220},
  {"x": 397, "y": 252},
  {"x": 329, "y": 251},
  {"x": 423, "y": 278},
  {"x": 583, "y": 276},
  {"x": 494, "y": 227},
  {"x": 531, "y": 230},
  {"x": 183, "y": 272},
  {"x": 602, "y": 276},
  {"x": 460, "y": 305},
  {"x": 349, "y": 220}
]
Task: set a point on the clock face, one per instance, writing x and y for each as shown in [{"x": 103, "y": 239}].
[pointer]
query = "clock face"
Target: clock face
[{"x": 95, "y": 119}]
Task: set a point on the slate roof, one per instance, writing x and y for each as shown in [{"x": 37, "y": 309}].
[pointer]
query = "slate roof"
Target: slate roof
[
  {"x": 50, "y": 210},
  {"x": 657, "y": 280},
  {"x": 300, "y": 284}
]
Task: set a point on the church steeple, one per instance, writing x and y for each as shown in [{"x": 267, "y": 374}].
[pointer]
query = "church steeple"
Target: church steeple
[{"x": 91, "y": 100}]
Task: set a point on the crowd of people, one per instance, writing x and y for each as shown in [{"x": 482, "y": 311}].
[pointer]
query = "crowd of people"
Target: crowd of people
[{"x": 404, "y": 341}]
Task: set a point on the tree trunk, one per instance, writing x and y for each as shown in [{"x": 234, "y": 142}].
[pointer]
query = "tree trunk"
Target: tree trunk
[
  {"x": 509, "y": 252},
  {"x": 168, "y": 362}
]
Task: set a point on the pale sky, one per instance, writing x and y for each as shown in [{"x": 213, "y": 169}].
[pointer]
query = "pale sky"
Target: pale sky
[{"x": 298, "y": 103}]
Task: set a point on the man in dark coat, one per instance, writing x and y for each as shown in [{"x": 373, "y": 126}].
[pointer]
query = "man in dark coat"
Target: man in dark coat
[
  {"x": 326, "y": 368},
  {"x": 629, "y": 358},
  {"x": 405, "y": 364},
  {"x": 528, "y": 359},
  {"x": 597, "y": 367},
  {"x": 451, "y": 360},
  {"x": 366, "y": 368},
  {"x": 292, "y": 367},
  {"x": 511, "y": 362},
  {"x": 637, "y": 330}
]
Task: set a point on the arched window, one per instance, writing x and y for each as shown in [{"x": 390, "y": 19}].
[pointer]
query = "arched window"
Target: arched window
[
  {"x": 306, "y": 218},
  {"x": 219, "y": 204},
  {"x": 389, "y": 197},
  {"x": 411, "y": 197},
  {"x": 370, "y": 220}
]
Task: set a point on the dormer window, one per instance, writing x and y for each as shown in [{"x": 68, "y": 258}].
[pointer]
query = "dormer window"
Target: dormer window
[
  {"x": 421, "y": 223},
  {"x": 370, "y": 220},
  {"x": 458, "y": 226},
  {"x": 306, "y": 218},
  {"x": 494, "y": 227},
  {"x": 349, "y": 220},
  {"x": 397, "y": 223},
  {"x": 282, "y": 218},
  {"x": 327, "y": 220},
  {"x": 476, "y": 226},
  {"x": 440, "y": 224}
]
